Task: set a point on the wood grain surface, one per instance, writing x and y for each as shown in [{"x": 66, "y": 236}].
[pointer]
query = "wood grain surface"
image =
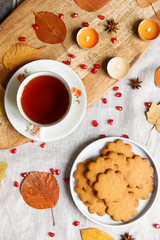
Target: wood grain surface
[{"x": 127, "y": 12}]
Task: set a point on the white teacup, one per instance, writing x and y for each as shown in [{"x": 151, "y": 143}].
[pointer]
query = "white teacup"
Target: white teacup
[{"x": 22, "y": 87}]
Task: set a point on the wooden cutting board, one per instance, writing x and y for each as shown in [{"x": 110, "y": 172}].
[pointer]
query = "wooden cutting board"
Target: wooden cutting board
[{"x": 127, "y": 13}]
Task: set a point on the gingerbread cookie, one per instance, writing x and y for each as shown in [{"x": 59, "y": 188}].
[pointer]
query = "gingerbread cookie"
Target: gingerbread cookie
[
  {"x": 142, "y": 193},
  {"x": 139, "y": 172},
  {"x": 111, "y": 186},
  {"x": 119, "y": 147},
  {"x": 99, "y": 166},
  {"x": 98, "y": 207},
  {"x": 124, "y": 209},
  {"x": 88, "y": 196}
]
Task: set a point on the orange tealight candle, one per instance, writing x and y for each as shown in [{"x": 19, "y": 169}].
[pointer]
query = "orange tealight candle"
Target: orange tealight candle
[
  {"x": 148, "y": 29},
  {"x": 87, "y": 37}
]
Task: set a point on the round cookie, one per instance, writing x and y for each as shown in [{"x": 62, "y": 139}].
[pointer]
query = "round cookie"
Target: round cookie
[
  {"x": 142, "y": 193},
  {"x": 98, "y": 207}
]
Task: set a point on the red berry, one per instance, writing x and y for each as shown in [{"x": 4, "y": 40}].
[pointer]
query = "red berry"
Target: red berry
[
  {"x": 101, "y": 17},
  {"x": 97, "y": 65},
  {"x": 119, "y": 108},
  {"x": 76, "y": 223},
  {"x": 102, "y": 136},
  {"x": 148, "y": 104},
  {"x": 57, "y": 172},
  {"x": 72, "y": 56},
  {"x": 85, "y": 24},
  {"x": 51, "y": 234},
  {"x": 83, "y": 66},
  {"x": 66, "y": 180},
  {"x": 156, "y": 225},
  {"x": 114, "y": 40},
  {"x": 35, "y": 26},
  {"x": 75, "y": 15},
  {"x": 125, "y": 136},
  {"x": 118, "y": 94},
  {"x": 33, "y": 141},
  {"x": 61, "y": 15},
  {"x": 43, "y": 145},
  {"x": 115, "y": 88},
  {"x": 94, "y": 123},
  {"x": 104, "y": 100},
  {"x": 67, "y": 62},
  {"x": 94, "y": 70},
  {"x": 22, "y": 39},
  {"x": 24, "y": 174},
  {"x": 16, "y": 184},
  {"x": 14, "y": 150},
  {"x": 110, "y": 121},
  {"x": 52, "y": 171}
]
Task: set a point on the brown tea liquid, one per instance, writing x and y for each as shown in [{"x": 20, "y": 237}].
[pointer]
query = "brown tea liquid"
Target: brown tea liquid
[{"x": 45, "y": 99}]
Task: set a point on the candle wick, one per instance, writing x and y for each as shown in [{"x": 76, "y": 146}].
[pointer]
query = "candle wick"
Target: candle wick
[
  {"x": 149, "y": 29},
  {"x": 118, "y": 67},
  {"x": 88, "y": 38}
]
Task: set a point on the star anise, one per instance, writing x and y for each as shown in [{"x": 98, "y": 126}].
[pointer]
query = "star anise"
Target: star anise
[
  {"x": 127, "y": 236},
  {"x": 111, "y": 26},
  {"x": 135, "y": 83}
]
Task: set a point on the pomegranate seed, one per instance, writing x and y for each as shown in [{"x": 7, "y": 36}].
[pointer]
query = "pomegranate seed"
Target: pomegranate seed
[
  {"x": 104, "y": 100},
  {"x": 43, "y": 145},
  {"x": 22, "y": 39},
  {"x": 114, "y": 40},
  {"x": 125, "y": 136},
  {"x": 118, "y": 94},
  {"x": 66, "y": 180},
  {"x": 119, "y": 108},
  {"x": 110, "y": 121},
  {"x": 67, "y": 62},
  {"x": 156, "y": 226},
  {"x": 94, "y": 123},
  {"x": 97, "y": 65},
  {"x": 58, "y": 171},
  {"x": 75, "y": 15},
  {"x": 51, "y": 234},
  {"x": 14, "y": 150},
  {"x": 61, "y": 15},
  {"x": 72, "y": 56},
  {"x": 115, "y": 88},
  {"x": 102, "y": 136},
  {"x": 35, "y": 26},
  {"x": 101, "y": 17},
  {"x": 83, "y": 66},
  {"x": 52, "y": 171},
  {"x": 85, "y": 24},
  {"x": 94, "y": 70},
  {"x": 33, "y": 141},
  {"x": 148, "y": 104},
  {"x": 76, "y": 223},
  {"x": 16, "y": 184},
  {"x": 24, "y": 174}
]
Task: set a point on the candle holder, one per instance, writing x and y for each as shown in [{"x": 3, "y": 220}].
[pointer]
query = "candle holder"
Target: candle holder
[
  {"x": 117, "y": 68},
  {"x": 87, "y": 37},
  {"x": 148, "y": 30}
]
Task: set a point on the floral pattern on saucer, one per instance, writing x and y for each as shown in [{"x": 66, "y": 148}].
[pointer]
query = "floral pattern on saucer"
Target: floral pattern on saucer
[
  {"x": 22, "y": 76},
  {"x": 32, "y": 129}
]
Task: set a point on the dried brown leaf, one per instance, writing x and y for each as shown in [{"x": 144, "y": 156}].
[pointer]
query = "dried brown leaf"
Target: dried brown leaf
[
  {"x": 2, "y": 111},
  {"x": 153, "y": 115},
  {"x": 40, "y": 190},
  {"x": 157, "y": 77},
  {"x": 20, "y": 54},
  {"x": 91, "y": 5},
  {"x": 51, "y": 29},
  {"x": 145, "y": 3},
  {"x": 3, "y": 167}
]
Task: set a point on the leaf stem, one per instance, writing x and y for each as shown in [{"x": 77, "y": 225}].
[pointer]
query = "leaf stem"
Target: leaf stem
[
  {"x": 149, "y": 134},
  {"x": 53, "y": 216}
]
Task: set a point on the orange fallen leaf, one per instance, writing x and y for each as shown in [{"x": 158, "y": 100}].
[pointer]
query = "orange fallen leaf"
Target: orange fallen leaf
[
  {"x": 145, "y": 3},
  {"x": 3, "y": 167},
  {"x": 153, "y": 115},
  {"x": 20, "y": 54},
  {"x": 91, "y": 5},
  {"x": 2, "y": 111},
  {"x": 40, "y": 190},
  {"x": 94, "y": 234},
  {"x": 157, "y": 77},
  {"x": 51, "y": 28}
]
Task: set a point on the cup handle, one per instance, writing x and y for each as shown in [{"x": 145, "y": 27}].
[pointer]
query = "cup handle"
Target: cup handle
[{"x": 41, "y": 132}]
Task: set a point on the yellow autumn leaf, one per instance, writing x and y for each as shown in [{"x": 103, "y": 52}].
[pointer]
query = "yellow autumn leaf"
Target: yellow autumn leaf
[
  {"x": 20, "y": 54},
  {"x": 3, "y": 167},
  {"x": 2, "y": 111},
  {"x": 153, "y": 115},
  {"x": 94, "y": 234}
]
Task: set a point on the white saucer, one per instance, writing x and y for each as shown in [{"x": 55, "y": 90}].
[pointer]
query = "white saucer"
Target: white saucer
[
  {"x": 92, "y": 151},
  {"x": 73, "y": 119}
]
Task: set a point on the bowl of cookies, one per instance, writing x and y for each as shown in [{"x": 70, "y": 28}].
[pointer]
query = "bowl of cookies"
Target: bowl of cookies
[{"x": 114, "y": 181}]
